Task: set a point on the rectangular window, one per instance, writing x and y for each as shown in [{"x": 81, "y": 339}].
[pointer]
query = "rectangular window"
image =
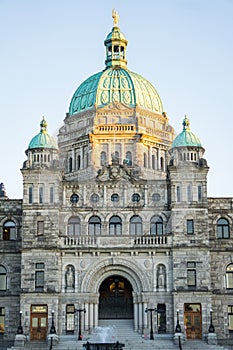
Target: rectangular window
[
  {"x": 39, "y": 277},
  {"x": 2, "y": 320},
  {"x": 191, "y": 274},
  {"x": 40, "y": 228},
  {"x": 189, "y": 193},
  {"x": 30, "y": 195},
  {"x": 230, "y": 317},
  {"x": 199, "y": 193},
  {"x": 41, "y": 195},
  {"x": 51, "y": 194},
  {"x": 190, "y": 227},
  {"x": 178, "y": 194},
  {"x": 70, "y": 317}
]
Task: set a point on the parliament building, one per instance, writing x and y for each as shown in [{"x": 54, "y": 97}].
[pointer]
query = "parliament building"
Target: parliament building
[{"x": 115, "y": 219}]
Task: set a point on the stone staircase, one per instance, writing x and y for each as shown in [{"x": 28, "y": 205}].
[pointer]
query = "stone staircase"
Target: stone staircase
[{"x": 125, "y": 334}]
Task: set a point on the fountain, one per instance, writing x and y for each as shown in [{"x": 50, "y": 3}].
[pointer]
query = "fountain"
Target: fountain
[{"x": 103, "y": 338}]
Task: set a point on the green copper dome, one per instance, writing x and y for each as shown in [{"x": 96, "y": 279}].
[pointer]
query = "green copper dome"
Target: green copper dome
[
  {"x": 116, "y": 83},
  {"x": 186, "y": 138},
  {"x": 43, "y": 139}
]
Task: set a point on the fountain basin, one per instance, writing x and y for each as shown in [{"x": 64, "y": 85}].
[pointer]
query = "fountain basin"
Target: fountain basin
[{"x": 103, "y": 346}]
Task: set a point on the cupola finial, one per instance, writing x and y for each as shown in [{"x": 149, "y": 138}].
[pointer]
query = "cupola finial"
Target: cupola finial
[
  {"x": 186, "y": 123},
  {"x": 43, "y": 126},
  {"x": 115, "y": 17}
]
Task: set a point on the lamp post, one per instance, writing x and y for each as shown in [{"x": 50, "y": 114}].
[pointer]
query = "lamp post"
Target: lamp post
[
  {"x": 20, "y": 327},
  {"x": 211, "y": 327},
  {"x": 151, "y": 324},
  {"x": 80, "y": 322},
  {"x": 178, "y": 328},
  {"x": 52, "y": 330}
]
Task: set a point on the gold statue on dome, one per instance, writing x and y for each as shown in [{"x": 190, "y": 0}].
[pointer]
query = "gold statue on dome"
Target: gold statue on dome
[{"x": 115, "y": 17}]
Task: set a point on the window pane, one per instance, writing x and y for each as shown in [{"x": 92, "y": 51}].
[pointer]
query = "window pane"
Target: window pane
[
  {"x": 51, "y": 195},
  {"x": 3, "y": 282},
  {"x": 30, "y": 199},
  {"x": 69, "y": 322},
  {"x": 190, "y": 227},
  {"x": 229, "y": 279},
  {"x": 34, "y": 322},
  {"x": 40, "y": 227},
  {"x": 39, "y": 279},
  {"x": 191, "y": 278},
  {"x": 41, "y": 194},
  {"x": 230, "y": 318}
]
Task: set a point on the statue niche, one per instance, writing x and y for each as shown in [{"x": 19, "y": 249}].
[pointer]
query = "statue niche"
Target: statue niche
[
  {"x": 69, "y": 278},
  {"x": 161, "y": 277}
]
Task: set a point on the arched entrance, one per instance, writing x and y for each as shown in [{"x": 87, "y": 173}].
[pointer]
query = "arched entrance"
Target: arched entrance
[{"x": 116, "y": 300}]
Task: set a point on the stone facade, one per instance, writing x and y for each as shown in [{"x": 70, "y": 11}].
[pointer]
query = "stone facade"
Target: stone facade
[{"x": 114, "y": 221}]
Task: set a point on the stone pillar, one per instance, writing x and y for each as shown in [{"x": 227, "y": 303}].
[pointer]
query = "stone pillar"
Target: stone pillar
[
  {"x": 145, "y": 315},
  {"x": 140, "y": 317},
  {"x": 91, "y": 318},
  {"x": 96, "y": 315},
  {"x": 86, "y": 318},
  {"x": 135, "y": 305}
]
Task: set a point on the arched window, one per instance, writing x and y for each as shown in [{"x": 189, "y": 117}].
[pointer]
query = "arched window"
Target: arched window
[
  {"x": 223, "y": 229},
  {"x": 153, "y": 163},
  {"x": 161, "y": 164},
  {"x": 103, "y": 158},
  {"x": 229, "y": 276},
  {"x": 78, "y": 162},
  {"x": 74, "y": 226},
  {"x": 94, "y": 226},
  {"x": 3, "y": 279},
  {"x": 9, "y": 231},
  {"x": 70, "y": 164},
  {"x": 135, "y": 226},
  {"x": 128, "y": 157},
  {"x": 156, "y": 226},
  {"x": 145, "y": 160},
  {"x": 115, "y": 225}
]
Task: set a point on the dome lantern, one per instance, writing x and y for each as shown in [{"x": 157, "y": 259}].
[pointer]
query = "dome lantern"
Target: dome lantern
[{"x": 115, "y": 45}]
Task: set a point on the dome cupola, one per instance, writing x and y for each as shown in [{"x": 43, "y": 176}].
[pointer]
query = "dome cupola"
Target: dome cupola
[
  {"x": 43, "y": 139},
  {"x": 186, "y": 147},
  {"x": 42, "y": 149},
  {"x": 116, "y": 83},
  {"x": 186, "y": 138}
]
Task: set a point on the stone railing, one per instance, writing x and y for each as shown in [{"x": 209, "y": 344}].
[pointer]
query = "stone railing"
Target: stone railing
[
  {"x": 152, "y": 240},
  {"x": 116, "y": 128},
  {"x": 114, "y": 241}
]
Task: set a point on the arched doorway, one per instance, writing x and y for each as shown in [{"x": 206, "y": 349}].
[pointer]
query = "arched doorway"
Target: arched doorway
[{"x": 116, "y": 300}]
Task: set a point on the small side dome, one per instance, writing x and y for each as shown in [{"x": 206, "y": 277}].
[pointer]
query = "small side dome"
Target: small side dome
[
  {"x": 186, "y": 138},
  {"x": 43, "y": 139}
]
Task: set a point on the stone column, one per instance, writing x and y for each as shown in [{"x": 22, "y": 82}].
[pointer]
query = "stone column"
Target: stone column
[
  {"x": 91, "y": 318},
  {"x": 145, "y": 322},
  {"x": 140, "y": 316},
  {"x": 135, "y": 305},
  {"x": 96, "y": 315},
  {"x": 86, "y": 323}
]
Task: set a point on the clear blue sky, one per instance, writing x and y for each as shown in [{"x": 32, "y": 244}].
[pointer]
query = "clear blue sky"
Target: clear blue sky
[{"x": 183, "y": 47}]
